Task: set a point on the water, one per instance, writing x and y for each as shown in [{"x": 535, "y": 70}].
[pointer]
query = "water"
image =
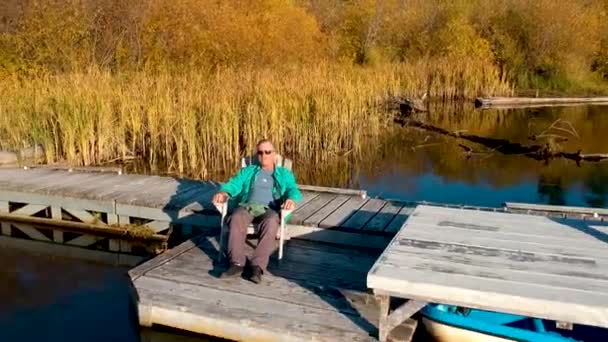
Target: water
[
  {"x": 52, "y": 299},
  {"x": 55, "y": 299},
  {"x": 415, "y": 165}
]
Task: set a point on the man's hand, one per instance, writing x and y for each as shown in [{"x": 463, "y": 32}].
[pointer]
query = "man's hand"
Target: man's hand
[
  {"x": 289, "y": 205},
  {"x": 220, "y": 197}
]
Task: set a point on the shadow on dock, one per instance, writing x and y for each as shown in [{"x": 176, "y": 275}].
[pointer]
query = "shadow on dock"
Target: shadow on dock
[{"x": 595, "y": 229}]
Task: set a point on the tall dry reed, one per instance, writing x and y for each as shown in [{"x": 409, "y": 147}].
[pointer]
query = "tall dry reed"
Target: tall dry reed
[{"x": 198, "y": 123}]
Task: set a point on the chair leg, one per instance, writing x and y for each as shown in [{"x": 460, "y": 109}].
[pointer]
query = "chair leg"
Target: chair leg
[
  {"x": 222, "y": 248},
  {"x": 282, "y": 238}
]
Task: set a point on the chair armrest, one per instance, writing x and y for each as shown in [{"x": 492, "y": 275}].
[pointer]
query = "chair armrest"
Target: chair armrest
[
  {"x": 222, "y": 208},
  {"x": 285, "y": 213}
]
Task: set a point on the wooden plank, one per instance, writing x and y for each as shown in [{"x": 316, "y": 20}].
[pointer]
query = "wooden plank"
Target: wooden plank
[
  {"x": 339, "y": 191},
  {"x": 132, "y": 183},
  {"x": 30, "y": 231},
  {"x": 62, "y": 184},
  {"x": 57, "y": 236},
  {"x": 237, "y": 317},
  {"x": 319, "y": 266},
  {"x": 364, "y": 214},
  {"x": 84, "y": 240},
  {"x": 158, "y": 226},
  {"x": 326, "y": 210},
  {"x": 31, "y": 183},
  {"x": 187, "y": 192},
  {"x": 202, "y": 200},
  {"x": 402, "y": 314},
  {"x": 84, "y": 190},
  {"x": 549, "y": 245},
  {"x": 167, "y": 256},
  {"x": 341, "y": 215},
  {"x": 151, "y": 188},
  {"x": 556, "y": 208},
  {"x": 25, "y": 180},
  {"x": 145, "y": 212},
  {"x": 65, "y": 202},
  {"x": 331, "y": 236},
  {"x": 165, "y": 195},
  {"x": 501, "y": 295},
  {"x": 123, "y": 183},
  {"x": 83, "y": 216},
  {"x": 399, "y": 219},
  {"x": 472, "y": 220},
  {"x": 29, "y": 209},
  {"x": 303, "y": 212},
  {"x": 307, "y": 196},
  {"x": 587, "y": 278},
  {"x": 299, "y": 293},
  {"x": 470, "y": 224},
  {"x": 384, "y": 216},
  {"x": 6, "y": 228},
  {"x": 11, "y": 174}
]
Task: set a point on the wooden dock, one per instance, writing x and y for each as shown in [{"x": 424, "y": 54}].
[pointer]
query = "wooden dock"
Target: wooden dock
[
  {"x": 316, "y": 292},
  {"x": 106, "y": 211},
  {"x": 529, "y": 265}
]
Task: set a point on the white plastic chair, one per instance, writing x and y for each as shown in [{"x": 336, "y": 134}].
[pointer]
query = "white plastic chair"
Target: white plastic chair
[{"x": 223, "y": 209}]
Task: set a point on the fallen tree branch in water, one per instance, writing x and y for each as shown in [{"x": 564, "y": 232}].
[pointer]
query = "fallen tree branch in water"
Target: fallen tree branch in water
[{"x": 504, "y": 146}]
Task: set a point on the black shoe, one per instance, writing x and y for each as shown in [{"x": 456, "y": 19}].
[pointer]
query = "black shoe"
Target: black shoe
[
  {"x": 233, "y": 271},
  {"x": 256, "y": 274}
]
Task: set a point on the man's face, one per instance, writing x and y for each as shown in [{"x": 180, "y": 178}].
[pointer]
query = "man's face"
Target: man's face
[{"x": 265, "y": 154}]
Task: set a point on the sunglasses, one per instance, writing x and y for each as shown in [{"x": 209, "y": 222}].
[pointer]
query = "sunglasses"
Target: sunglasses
[{"x": 264, "y": 152}]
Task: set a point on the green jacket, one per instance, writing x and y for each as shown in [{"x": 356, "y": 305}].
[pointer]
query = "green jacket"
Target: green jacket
[{"x": 239, "y": 186}]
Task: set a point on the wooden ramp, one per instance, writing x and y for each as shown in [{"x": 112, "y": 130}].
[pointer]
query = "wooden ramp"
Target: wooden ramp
[{"x": 316, "y": 293}]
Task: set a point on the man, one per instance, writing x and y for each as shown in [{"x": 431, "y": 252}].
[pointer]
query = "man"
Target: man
[{"x": 260, "y": 190}]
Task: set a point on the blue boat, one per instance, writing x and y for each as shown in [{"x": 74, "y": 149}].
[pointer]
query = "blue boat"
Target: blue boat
[{"x": 456, "y": 324}]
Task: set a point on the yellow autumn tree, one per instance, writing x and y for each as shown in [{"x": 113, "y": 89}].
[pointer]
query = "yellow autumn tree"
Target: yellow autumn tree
[{"x": 237, "y": 33}]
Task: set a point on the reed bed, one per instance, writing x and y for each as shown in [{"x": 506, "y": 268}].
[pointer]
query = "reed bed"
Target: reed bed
[{"x": 196, "y": 123}]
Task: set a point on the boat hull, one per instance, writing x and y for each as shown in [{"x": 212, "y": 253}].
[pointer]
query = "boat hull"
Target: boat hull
[
  {"x": 447, "y": 333},
  {"x": 448, "y": 323}
]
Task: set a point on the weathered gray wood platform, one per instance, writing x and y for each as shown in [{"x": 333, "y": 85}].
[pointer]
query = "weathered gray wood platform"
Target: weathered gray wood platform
[
  {"x": 315, "y": 293},
  {"x": 325, "y": 214},
  {"x": 522, "y": 264},
  {"x": 598, "y": 214}
]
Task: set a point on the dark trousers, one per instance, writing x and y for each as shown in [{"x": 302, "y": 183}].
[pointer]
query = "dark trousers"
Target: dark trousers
[{"x": 268, "y": 228}]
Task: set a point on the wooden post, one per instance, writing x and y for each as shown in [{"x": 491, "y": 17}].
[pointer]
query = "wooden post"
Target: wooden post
[
  {"x": 112, "y": 219},
  {"x": 124, "y": 220},
  {"x": 125, "y": 246},
  {"x": 385, "y": 303},
  {"x": 6, "y": 227},
  {"x": 390, "y": 320},
  {"x": 114, "y": 245},
  {"x": 56, "y": 215}
]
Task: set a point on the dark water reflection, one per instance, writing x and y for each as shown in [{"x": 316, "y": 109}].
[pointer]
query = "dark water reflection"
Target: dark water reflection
[
  {"x": 47, "y": 298},
  {"x": 415, "y": 165}
]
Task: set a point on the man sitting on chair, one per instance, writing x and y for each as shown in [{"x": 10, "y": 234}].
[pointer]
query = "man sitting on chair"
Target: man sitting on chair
[{"x": 261, "y": 190}]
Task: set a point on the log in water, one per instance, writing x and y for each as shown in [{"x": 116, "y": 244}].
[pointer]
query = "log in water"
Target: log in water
[{"x": 511, "y": 102}]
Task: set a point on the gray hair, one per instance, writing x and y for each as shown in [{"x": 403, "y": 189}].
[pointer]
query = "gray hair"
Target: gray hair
[{"x": 265, "y": 140}]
